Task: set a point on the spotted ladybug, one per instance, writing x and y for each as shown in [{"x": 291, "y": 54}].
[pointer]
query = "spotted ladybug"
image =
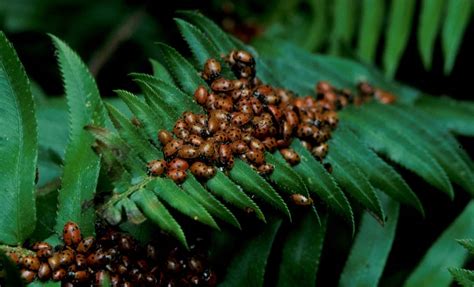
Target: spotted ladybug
[
  {"x": 301, "y": 200},
  {"x": 156, "y": 167},
  {"x": 290, "y": 156},
  {"x": 176, "y": 175},
  {"x": 71, "y": 234},
  {"x": 178, "y": 163},
  {"x": 188, "y": 152},
  {"x": 200, "y": 95},
  {"x": 44, "y": 271},
  {"x": 222, "y": 85},
  {"x": 320, "y": 151},
  {"x": 212, "y": 70}
]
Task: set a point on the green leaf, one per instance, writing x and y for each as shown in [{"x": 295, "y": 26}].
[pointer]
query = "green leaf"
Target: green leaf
[
  {"x": 398, "y": 32},
  {"x": 457, "y": 18},
  {"x": 440, "y": 143},
  {"x": 468, "y": 244},
  {"x": 284, "y": 176},
  {"x": 380, "y": 174},
  {"x": 182, "y": 71},
  {"x": 151, "y": 121},
  {"x": 18, "y": 148},
  {"x": 169, "y": 93},
  {"x": 44, "y": 284},
  {"x": 455, "y": 115},
  {"x": 352, "y": 180},
  {"x": 222, "y": 186},
  {"x": 371, "y": 248},
  {"x": 318, "y": 27},
  {"x": 133, "y": 136},
  {"x": 168, "y": 114},
  {"x": 81, "y": 164},
  {"x": 397, "y": 146},
  {"x": 370, "y": 28},
  {"x": 160, "y": 72},
  {"x": 247, "y": 268},
  {"x": 210, "y": 203},
  {"x": 464, "y": 277},
  {"x": 11, "y": 272},
  {"x": 134, "y": 215},
  {"x": 172, "y": 194},
  {"x": 157, "y": 212},
  {"x": 242, "y": 172},
  {"x": 445, "y": 252},
  {"x": 320, "y": 182},
  {"x": 301, "y": 252},
  {"x": 430, "y": 20},
  {"x": 343, "y": 25},
  {"x": 218, "y": 37},
  {"x": 46, "y": 209}
]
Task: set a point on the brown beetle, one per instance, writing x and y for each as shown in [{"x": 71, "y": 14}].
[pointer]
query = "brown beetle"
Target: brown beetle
[
  {"x": 255, "y": 156},
  {"x": 27, "y": 275},
  {"x": 320, "y": 151},
  {"x": 265, "y": 169},
  {"x": 156, "y": 167},
  {"x": 239, "y": 147},
  {"x": 212, "y": 70},
  {"x": 176, "y": 175},
  {"x": 290, "y": 156},
  {"x": 71, "y": 234},
  {"x": 86, "y": 245},
  {"x": 44, "y": 272},
  {"x": 178, "y": 163},
  {"x": 225, "y": 155},
  {"x": 270, "y": 143},
  {"x": 222, "y": 85},
  {"x": 200, "y": 95},
  {"x": 165, "y": 137},
  {"x": 201, "y": 170},
  {"x": 59, "y": 275},
  {"x": 31, "y": 263},
  {"x": 172, "y": 147},
  {"x": 195, "y": 140},
  {"x": 207, "y": 150},
  {"x": 300, "y": 199},
  {"x": 188, "y": 152}
]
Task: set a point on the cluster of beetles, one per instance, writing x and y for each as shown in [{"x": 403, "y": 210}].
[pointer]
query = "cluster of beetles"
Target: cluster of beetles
[
  {"x": 245, "y": 118},
  {"x": 116, "y": 257}
]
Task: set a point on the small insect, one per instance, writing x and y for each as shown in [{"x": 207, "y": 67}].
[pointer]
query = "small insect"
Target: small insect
[
  {"x": 79, "y": 276},
  {"x": 207, "y": 150},
  {"x": 195, "y": 140},
  {"x": 176, "y": 175},
  {"x": 320, "y": 151},
  {"x": 265, "y": 169},
  {"x": 234, "y": 134},
  {"x": 188, "y": 152},
  {"x": 222, "y": 85},
  {"x": 257, "y": 145},
  {"x": 27, "y": 275},
  {"x": 44, "y": 253},
  {"x": 323, "y": 87},
  {"x": 180, "y": 125},
  {"x": 384, "y": 97},
  {"x": 81, "y": 261},
  {"x": 200, "y": 95},
  {"x": 239, "y": 118},
  {"x": 255, "y": 156},
  {"x": 239, "y": 147},
  {"x": 241, "y": 56},
  {"x": 301, "y": 200},
  {"x": 66, "y": 257},
  {"x": 178, "y": 163},
  {"x": 331, "y": 118},
  {"x": 225, "y": 155},
  {"x": 212, "y": 70},
  {"x": 59, "y": 275},
  {"x": 290, "y": 156},
  {"x": 220, "y": 137},
  {"x": 286, "y": 130},
  {"x": 41, "y": 245},
  {"x": 172, "y": 147},
  {"x": 275, "y": 112},
  {"x": 31, "y": 263},
  {"x": 291, "y": 117},
  {"x": 224, "y": 103},
  {"x": 156, "y": 168},
  {"x": 165, "y": 137},
  {"x": 306, "y": 145},
  {"x": 86, "y": 244},
  {"x": 270, "y": 143},
  {"x": 213, "y": 125},
  {"x": 220, "y": 115},
  {"x": 71, "y": 234},
  {"x": 306, "y": 131},
  {"x": 44, "y": 272},
  {"x": 53, "y": 262},
  {"x": 365, "y": 89}
]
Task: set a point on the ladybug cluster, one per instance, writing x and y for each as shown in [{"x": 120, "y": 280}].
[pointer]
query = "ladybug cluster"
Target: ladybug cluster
[
  {"x": 89, "y": 261},
  {"x": 245, "y": 118}
]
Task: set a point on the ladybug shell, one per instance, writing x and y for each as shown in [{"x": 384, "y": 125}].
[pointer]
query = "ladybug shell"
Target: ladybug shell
[
  {"x": 290, "y": 156},
  {"x": 188, "y": 152},
  {"x": 222, "y": 85},
  {"x": 85, "y": 245},
  {"x": 156, "y": 167},
  {"x": 31, "y": 263},
  {"x": 300, "y": 199},
  {"x": 59, "y": 275},
  {"x": 200, "y": 95},
  {"x": 71, "y": 234},
  {"x": 165, "y": 137},
  {"x": 178, "y": 163},
  {"x": 44, "y": 272},
  {"x": 239, "y": 147},
  {"x": 177, "y": 175}
]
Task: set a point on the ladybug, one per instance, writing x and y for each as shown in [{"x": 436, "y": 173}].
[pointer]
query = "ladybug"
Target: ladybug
[
  {"x": 180, "y": 125},
  {"x": 150, "y": 280},
  {"x": 257, "y": 106},
  {"x": 323, "y": 87},
  {"x": 320, "y": 151},
  {"x": 239, "y": 147},
  {"x": 330, "y": 97},
  {"x": 59, "y": 275},
  {"x": 78, "y": 276},
  {"x": 44, "y": 272},
  {"x": 331, "y": 118},
  {"x": 270, "y": 143},
  {"x": 239, "y": 118},
  {"x": 31, "y": 263},
  {"x": 156, "y": 167},
  {"x": 27, "y": 275},
  {"x": 53, "y": 262},
  {"x": 384, "y": 97},
  {"x": 287, "y": 130},
  {"x": 182, "y": 134},
  {"x": 211, "y": 101},
  {"x": 241, "y": 56},
  {"x": 255, "y": 156},
  {"x": 176, "y": 175},
  {"x": 172, "y": 265},
  {"x": 220, "y": 137},
  {"x": 165, "y": 137},
  {"x": 66, "y": 257},
  {"x": 172, "y": 147},
  {"x": 220, "y": 115},
  {"x": 199, "y": 130},
  {"x": 281, "y": 143},
  {"x": 14, "y": 257},
  {"x": 225, "y": 103},
  {"x": 213, "y": 125},
  {"x": 188, "y": 152},
  {"x": 178, "y": 163},
  {"x": 44, "y": 253},
  {"x": 71, "y": 234},
  {"x": 96, "y": 258},
  {"x": 81, "y": 261},
  {"x": 234, "y": 134},
  {"x": 256, "y": 144},
  {"x": 365, "y": 89},
  {"x": 202, "y": 119},
  {"x": 306, "y": 131},
  {"x": 189, "y": 117},
  {"x": 275, "y": 112},
  {"x": 322, "y": 135},
  {"x": 207, "y": 150},
  {"x": 86, "y": 245},
  {"x": 212, "y": 70},
  {"x": 225, "y": 155},
  {"x": 301, "y": 200},
  {"x": 284, "y": 95},
  {"x": 195, "y": 140},
  {"x": 200, "y": 95},
  {"x": 245, "y": 107},
  {"x": 201, "y": 170},
  {"x": 265, "y": 169},
  {"x": 291, "y": 117},
  {"x": 222, "y": 85},
  {"x": 266, "y": 94},
  {"x": 151, "y": 252},
  {"x": 290, "y": 156},
  {"x": 41, "y": 245}
]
